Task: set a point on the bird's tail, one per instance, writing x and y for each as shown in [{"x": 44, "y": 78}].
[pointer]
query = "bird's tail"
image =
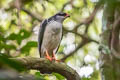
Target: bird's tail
[{"x": 39, "y": 48}]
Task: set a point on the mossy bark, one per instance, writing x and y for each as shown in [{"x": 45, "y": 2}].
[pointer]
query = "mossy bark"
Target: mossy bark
[
  {"x": 46, "y": 66},
  {"x": 110, "y": 52}
]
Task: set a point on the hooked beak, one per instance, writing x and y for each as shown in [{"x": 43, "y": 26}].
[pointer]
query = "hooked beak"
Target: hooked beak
[{"x": 67, "y": 15}]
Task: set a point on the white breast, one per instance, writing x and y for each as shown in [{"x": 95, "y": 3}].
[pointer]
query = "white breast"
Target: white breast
[{"x": 52, "y": 37}]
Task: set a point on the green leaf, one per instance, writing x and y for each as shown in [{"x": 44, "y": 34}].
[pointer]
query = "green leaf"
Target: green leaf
[
  {"x": 58, "y": 76},
  {"x": 28, "y": 46},
  {"x": 9, "y": 46},
  {"x": 11, "y": 63},
  {"x": 39, "y": 76},
  {"x": 23, "y": 34},
  {"x": 12, "y": 36},
  {"x": 2, "y": 38},
  {"x": 6, "y": 46},
  {"x": 84, "y": 78}
]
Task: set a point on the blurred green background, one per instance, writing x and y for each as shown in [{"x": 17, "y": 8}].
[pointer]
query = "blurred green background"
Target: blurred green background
[{"x": 19, "y": 24}]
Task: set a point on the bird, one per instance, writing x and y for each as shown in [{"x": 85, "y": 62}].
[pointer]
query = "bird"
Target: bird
[{"x": 50, "y": 35}]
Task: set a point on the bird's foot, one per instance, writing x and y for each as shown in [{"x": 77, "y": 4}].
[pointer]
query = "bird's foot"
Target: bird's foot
[
  {"x": 54, "y": 58},
  {"x": 47, "y": 56}
]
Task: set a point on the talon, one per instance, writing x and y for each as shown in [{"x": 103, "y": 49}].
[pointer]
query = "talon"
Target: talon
[
  {"x": 54, "y": 58},
  {"x": 47, "y": 56}
]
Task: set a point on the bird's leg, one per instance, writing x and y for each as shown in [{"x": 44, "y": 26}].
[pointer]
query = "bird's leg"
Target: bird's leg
[
  {"x": 47, "y": 56},
  {"x": 54, "y": 58}
]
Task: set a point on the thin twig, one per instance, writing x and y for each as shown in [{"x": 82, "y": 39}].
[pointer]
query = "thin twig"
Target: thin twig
[
  {"x": 82, "y": 36},
  {"x": 89, "y": 19},
  {"x": 84, "y": 42}
]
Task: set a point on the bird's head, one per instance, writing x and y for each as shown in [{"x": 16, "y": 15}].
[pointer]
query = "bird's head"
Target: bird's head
[{"x": 61, "y": 16}]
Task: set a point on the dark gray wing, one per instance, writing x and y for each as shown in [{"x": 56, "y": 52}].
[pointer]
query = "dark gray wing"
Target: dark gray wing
[{"x": 41, "y": 34}]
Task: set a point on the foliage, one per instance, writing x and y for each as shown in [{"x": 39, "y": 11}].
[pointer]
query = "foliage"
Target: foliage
[
  {"x": 39, "y": 76},
  {"x": 14, "y": 64},
  {"x": 58, "y": 76},
  {"x": 18, "y": 25}
]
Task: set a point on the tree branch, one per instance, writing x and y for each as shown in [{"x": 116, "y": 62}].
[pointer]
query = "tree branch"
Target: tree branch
[
  {"x": 82, "y": 36},
  {"x": 80, "y": 45},
  {"x": 115, "y": 43},
  {"x": 89, "y": 19},
  {"x": 84, "y": 42},
  {"x": 46, "y": 66}
]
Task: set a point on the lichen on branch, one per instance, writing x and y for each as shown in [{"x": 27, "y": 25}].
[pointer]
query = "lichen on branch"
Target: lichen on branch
[{"x": 45, "y": 66}]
